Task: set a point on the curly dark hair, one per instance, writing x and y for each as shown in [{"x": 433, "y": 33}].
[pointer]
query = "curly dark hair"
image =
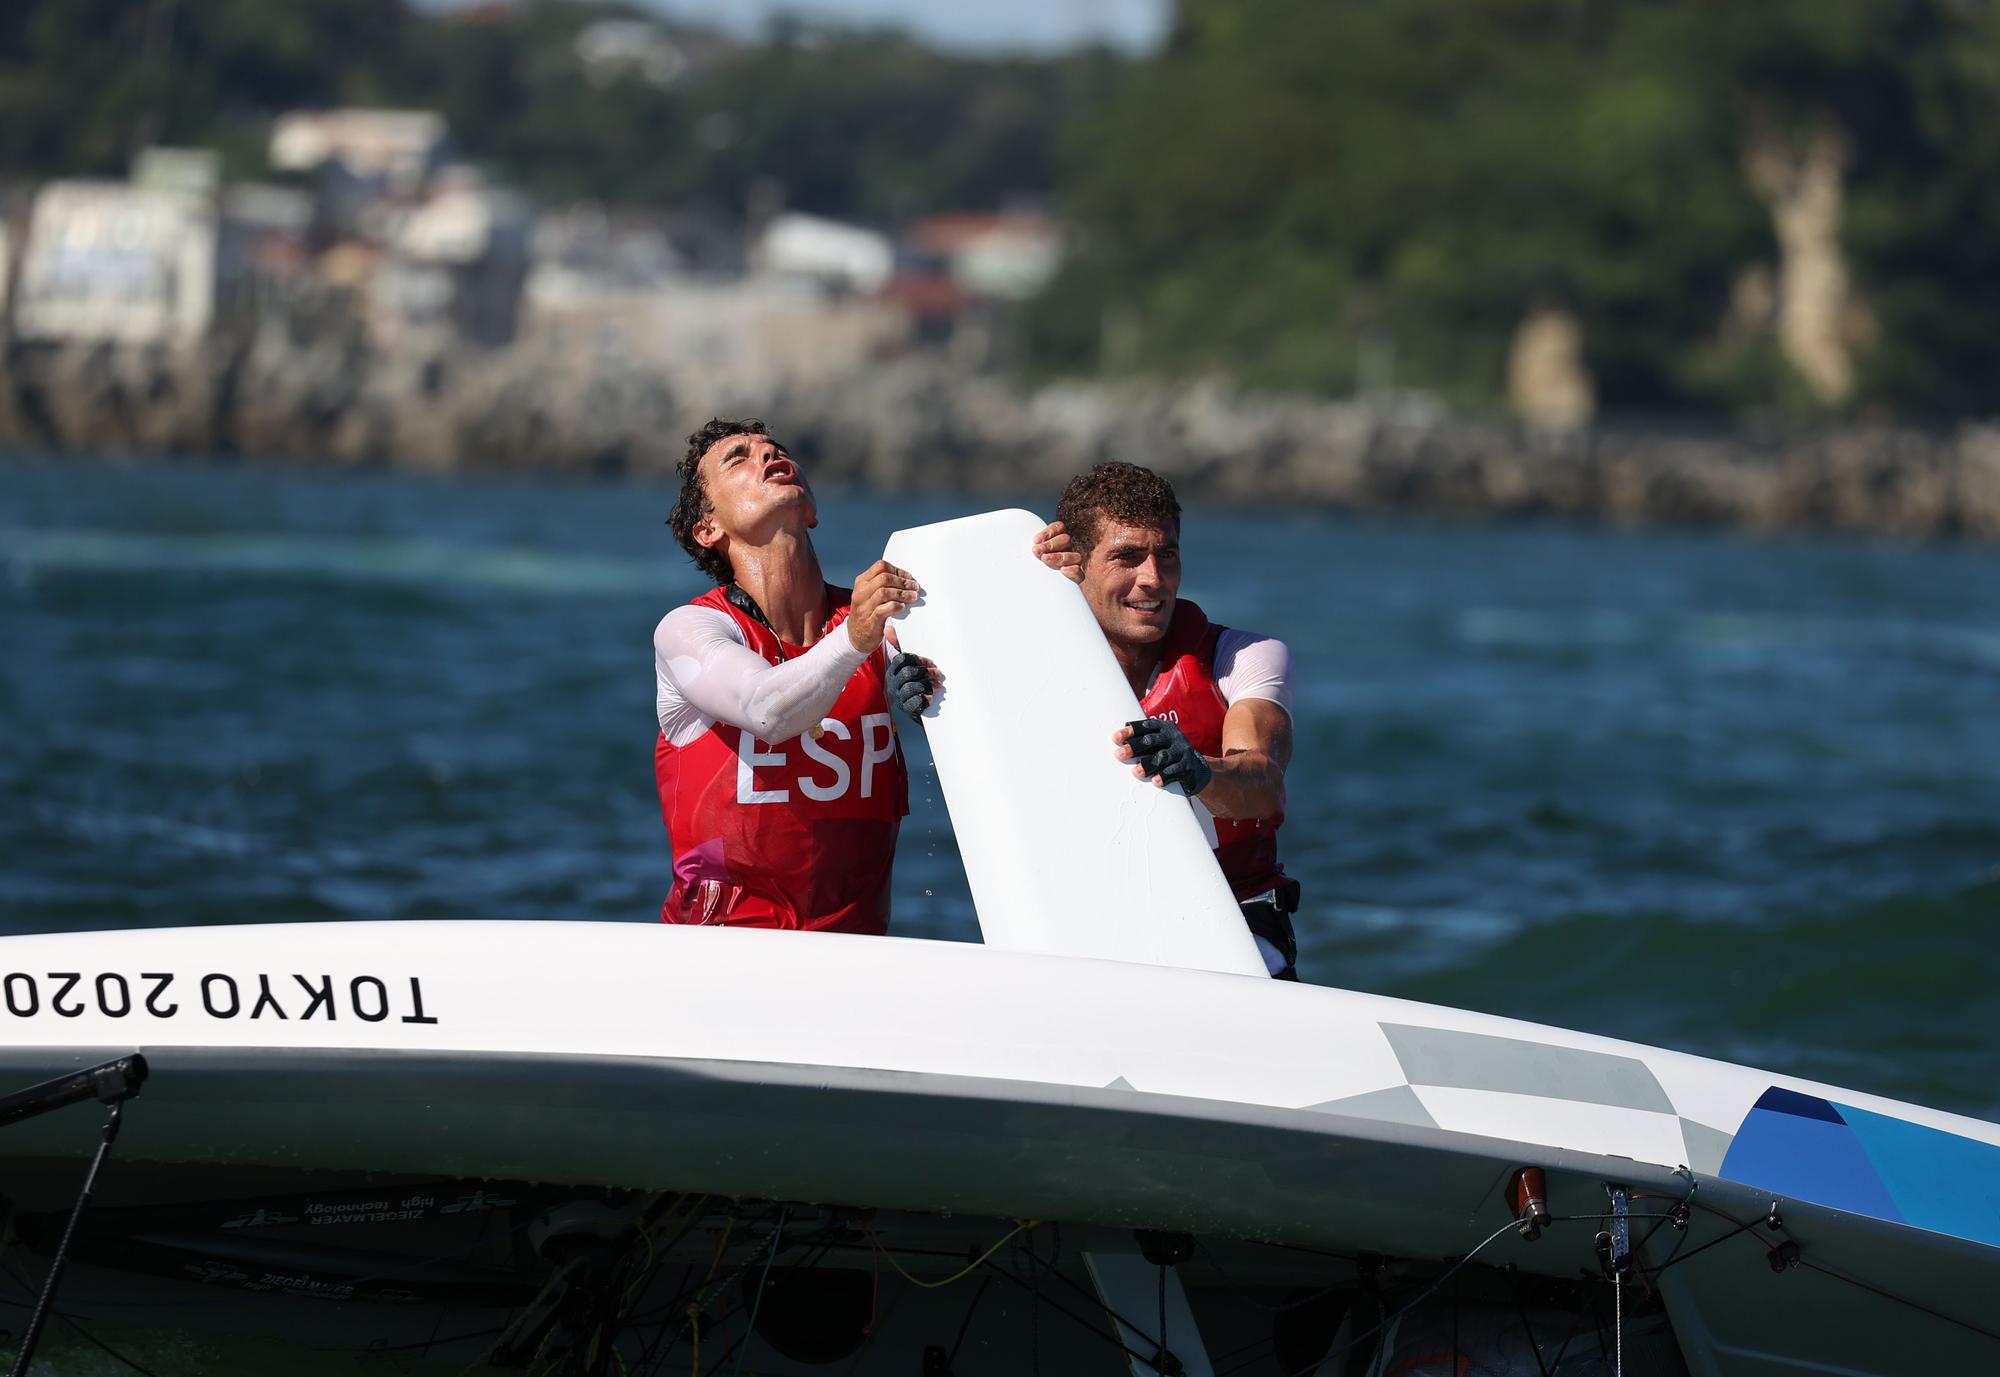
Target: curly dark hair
[
  {"x": 1119, "y": 492},
  {"x": 692, "y": 505}
]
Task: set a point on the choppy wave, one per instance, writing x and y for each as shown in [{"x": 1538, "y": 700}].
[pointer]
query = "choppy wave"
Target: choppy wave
[
  {"x": 32, "y": 553},
  {"x": 1895, "y": 996},
  {"x": 1595, "y": 629}
]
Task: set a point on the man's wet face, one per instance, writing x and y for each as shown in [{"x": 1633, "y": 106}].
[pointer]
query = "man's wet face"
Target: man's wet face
[
  {"x": 748, "y": 479},
  {"x": 1131, "y": 578}
]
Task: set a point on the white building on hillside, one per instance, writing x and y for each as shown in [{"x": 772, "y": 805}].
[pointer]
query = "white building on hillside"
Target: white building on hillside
[
  {"x": 196, "y": 172},
  {"x": 611, "y": 48},
  {"x": 830, "y": 254},
  {"x": 1002, "y": 257},
  {"x": 453, "y": 262},
  {"x": 398, "y": 148},
  {"x": 266, "y": 247},
  {"x": 114, "y": 262}
]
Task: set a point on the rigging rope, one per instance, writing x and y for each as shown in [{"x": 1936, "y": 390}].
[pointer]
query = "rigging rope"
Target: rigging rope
[
  {"x": 770, "y": 1256},
  {"x": 968, "y": 1270},
  {"x": 85, "y": 1334},
  {"x": 1435, "y": 1287},
  {"x": 1618, "y": 1324}
]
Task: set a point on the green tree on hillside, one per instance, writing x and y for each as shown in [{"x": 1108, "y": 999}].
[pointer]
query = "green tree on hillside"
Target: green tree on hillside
[
  {"x": 84, "y": 82},
  {"x": 1298, "y": 193},
  {"x": 862, "y": 125}
]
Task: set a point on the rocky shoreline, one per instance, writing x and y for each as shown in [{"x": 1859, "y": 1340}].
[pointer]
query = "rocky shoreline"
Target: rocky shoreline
[{"x": 916, "y": 422}]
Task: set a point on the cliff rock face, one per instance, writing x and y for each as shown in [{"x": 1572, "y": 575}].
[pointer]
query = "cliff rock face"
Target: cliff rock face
[
  {"x": 916, "y": 422},
  {"x": 1803, "y": 184},
  {"x": 1547, "y": 383}
]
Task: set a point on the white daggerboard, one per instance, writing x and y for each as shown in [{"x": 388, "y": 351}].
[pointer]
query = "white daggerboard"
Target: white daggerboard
[{"x": 1065, "y": 851}]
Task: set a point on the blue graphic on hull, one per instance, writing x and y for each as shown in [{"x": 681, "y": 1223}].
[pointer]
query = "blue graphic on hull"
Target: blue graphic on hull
[
  {"x": 1801, "y": 1147},
  {"x": 1940, "y": 1181},
  {"x": 1807, "y": 1148}
]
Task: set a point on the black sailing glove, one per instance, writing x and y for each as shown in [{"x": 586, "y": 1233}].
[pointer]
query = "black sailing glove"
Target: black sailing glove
[
  {"x": 1161, "y": 748},
  {"x": 910, "y": 683}
]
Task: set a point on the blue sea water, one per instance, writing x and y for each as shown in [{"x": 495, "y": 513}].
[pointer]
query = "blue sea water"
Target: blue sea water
[{"x": 1739, "y": 797}]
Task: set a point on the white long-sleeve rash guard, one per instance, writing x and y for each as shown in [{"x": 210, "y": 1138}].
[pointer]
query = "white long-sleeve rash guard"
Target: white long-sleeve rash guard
[{"x": 706, "y": 672}]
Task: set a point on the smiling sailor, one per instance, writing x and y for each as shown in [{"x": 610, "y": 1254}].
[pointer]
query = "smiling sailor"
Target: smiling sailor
[
  {"x": 1218, "y": 700},
  {"x": 781, "y": 781}
]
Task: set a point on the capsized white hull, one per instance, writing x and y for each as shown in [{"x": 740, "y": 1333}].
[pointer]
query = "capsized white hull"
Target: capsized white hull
[{"x": 941, "y": 1078}]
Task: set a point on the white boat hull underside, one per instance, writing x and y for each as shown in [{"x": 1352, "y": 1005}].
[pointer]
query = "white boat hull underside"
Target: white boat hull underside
[{"x": 884, "y": 1099}]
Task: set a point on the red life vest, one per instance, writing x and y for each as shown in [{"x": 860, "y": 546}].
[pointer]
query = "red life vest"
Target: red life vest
[
  {"x": 791, "y": 834},
  {"x": 1186, "y": 694}
]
